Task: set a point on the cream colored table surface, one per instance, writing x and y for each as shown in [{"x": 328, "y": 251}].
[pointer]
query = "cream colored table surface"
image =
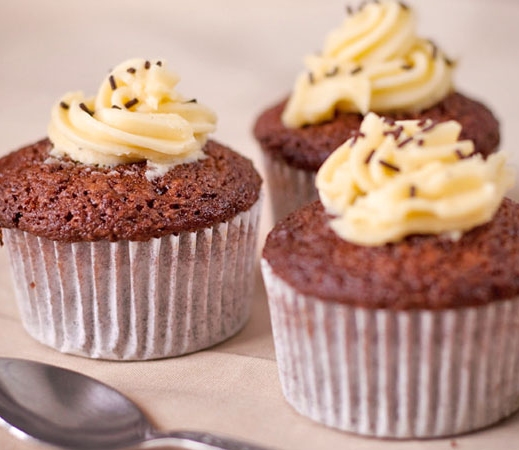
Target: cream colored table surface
[{"x": 238, "y": 57}]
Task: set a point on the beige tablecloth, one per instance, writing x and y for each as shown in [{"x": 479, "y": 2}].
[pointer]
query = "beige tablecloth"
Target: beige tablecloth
[{"x": 237, "y": 57}]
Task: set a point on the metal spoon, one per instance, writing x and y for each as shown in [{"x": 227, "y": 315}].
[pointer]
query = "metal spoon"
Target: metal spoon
[{"x": 66, "y": 409}]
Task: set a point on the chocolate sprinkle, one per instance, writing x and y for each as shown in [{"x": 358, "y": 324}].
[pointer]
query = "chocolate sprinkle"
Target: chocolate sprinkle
[
  {"x": 429, "y": 127},
  {"x": 113, "y": 84},
  {"x": 131, "y": 103},
  {"x": 412, "y": 191},
  {"x": 116, "y": 107},
  {"x": 395, "y": 133},
  {"x": 356, "y": 70},
  {"x": 448, "y": 61},
  {"x": 332, "y": 72},
  {"x": 389, "y": 165},
  {"x": 420, "y": 142},
  {"x": 404, "y": 142},
  {"x": 406, "y": 67},
  {"x": 193, "y": 100},
  {"x": 311, "y": 78},
  {"x": 356, "y": 135},
  {"x": 434, "y": 49},
  {"x": 159, "y": 63},
  {"x": 349, "y": 10},
  {"x": 147, "y": 65},
  {"x": 404, "y": 6},
  {"x": 131, "y": 70},
  {"x": 64, "y": 105},
  {"x": 85, "y": 108},
  {"x": 369, "y": 157}
]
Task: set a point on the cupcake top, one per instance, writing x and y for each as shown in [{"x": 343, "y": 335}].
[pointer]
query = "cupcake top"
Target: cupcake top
[
  {"x": 421, "y": 271},
  {"x": 137, "y": 115},
  {"x": 373, "y": 62},
  {"x": 409, "y": 177},
  {"x": 409, "y": 217},
  {"x": 132, "y": 163}
]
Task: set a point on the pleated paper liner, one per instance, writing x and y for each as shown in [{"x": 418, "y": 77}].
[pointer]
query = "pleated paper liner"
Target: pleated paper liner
[
  {"x": 289, "y": 187},
  {"x": 395, "y": 374},
  {"x": 136, "y": 300}
]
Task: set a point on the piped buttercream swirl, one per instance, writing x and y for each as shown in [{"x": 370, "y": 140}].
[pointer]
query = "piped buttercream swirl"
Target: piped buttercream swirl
[
  {"x": 409, "y": 177},
  {"x": 373, "y": 62},
  {"x": 137, "y": 115}
]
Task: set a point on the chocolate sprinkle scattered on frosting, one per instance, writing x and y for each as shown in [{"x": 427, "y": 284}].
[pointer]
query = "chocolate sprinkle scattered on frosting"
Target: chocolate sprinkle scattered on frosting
[
  {"x": 85, "y": 108},
  {"x": 370, "y": 156},
  {"x": 113, "y": 84},
  {"x": 131, "y": 103},
  {"x": 429, "y": 127},
  {"x": 332, "y": 72},
  {"x": 405, "y": 142},
  {"x": 388, "y": 165}
]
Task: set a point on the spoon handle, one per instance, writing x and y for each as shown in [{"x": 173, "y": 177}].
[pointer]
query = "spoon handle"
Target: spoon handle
[{"x": 202, "y": 441}]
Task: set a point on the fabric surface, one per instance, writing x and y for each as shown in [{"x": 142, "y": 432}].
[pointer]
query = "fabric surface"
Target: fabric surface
[{"x": 238, "y": 58}]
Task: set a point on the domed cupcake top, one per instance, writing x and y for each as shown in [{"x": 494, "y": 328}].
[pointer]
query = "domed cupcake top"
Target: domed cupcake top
[
  {"x": 137, "y": 115},
  {"x": 373, "y": 62},
  {"x": 409, "y": 177}
]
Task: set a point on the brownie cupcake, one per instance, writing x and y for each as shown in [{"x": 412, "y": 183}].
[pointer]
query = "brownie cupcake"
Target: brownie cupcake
[
  {"x": 131, "y": 234},
  {"x": 373, "y": 62},
  {"x": 394, "y": 299}
]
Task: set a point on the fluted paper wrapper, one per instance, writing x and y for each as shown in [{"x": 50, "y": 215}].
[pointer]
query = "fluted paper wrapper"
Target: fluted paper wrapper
[
  {"x": 130, "y": 300},
  {"x": 289, "y": 187},
  {"x": 397, "y": 374}
]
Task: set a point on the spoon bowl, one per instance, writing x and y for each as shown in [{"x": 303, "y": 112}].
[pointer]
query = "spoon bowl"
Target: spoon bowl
[{"x": 70, "y": 410}]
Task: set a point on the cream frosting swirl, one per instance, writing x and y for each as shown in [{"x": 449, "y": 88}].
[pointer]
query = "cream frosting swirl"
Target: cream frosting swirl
[
  {"x": 137, "y": 115},
  {"x": 373, "y": 62},
  {"x": 409, "y": 177}
]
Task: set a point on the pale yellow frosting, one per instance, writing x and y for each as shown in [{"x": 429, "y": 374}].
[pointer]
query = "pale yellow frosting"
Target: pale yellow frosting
[
  {"x": 373, "y": 62},
  {"x": 409, "y": 177},
  {"x": 137, "y": 115}
]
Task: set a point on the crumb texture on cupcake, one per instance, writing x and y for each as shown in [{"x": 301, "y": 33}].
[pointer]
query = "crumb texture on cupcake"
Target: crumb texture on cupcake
[
  {"x": 422, "y": 271},
  {"x": 63, "y": 200}
]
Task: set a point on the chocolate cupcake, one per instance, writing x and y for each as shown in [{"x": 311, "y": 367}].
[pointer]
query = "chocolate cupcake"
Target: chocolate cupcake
[
  {"x": 373, "y": 62},
  {"x": 131, "y": 234},
  {"x": 394, "y": 299}
]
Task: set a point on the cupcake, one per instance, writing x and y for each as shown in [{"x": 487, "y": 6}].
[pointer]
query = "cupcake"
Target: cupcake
[
  {"x": 373, "y": 62},
  {"x": 394, "y": 298},
  {"x": 131, "y": 234}
]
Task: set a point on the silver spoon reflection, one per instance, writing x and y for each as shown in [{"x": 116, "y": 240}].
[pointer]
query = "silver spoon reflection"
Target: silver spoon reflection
[{"x": 66, "y": 409}]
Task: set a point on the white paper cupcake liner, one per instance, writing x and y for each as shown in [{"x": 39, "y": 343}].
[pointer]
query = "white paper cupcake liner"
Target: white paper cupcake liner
[
  {"x": 396, "y": 374},
  {"x": 289, "y": 188},
  {"x": 130, "y": 300}
]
